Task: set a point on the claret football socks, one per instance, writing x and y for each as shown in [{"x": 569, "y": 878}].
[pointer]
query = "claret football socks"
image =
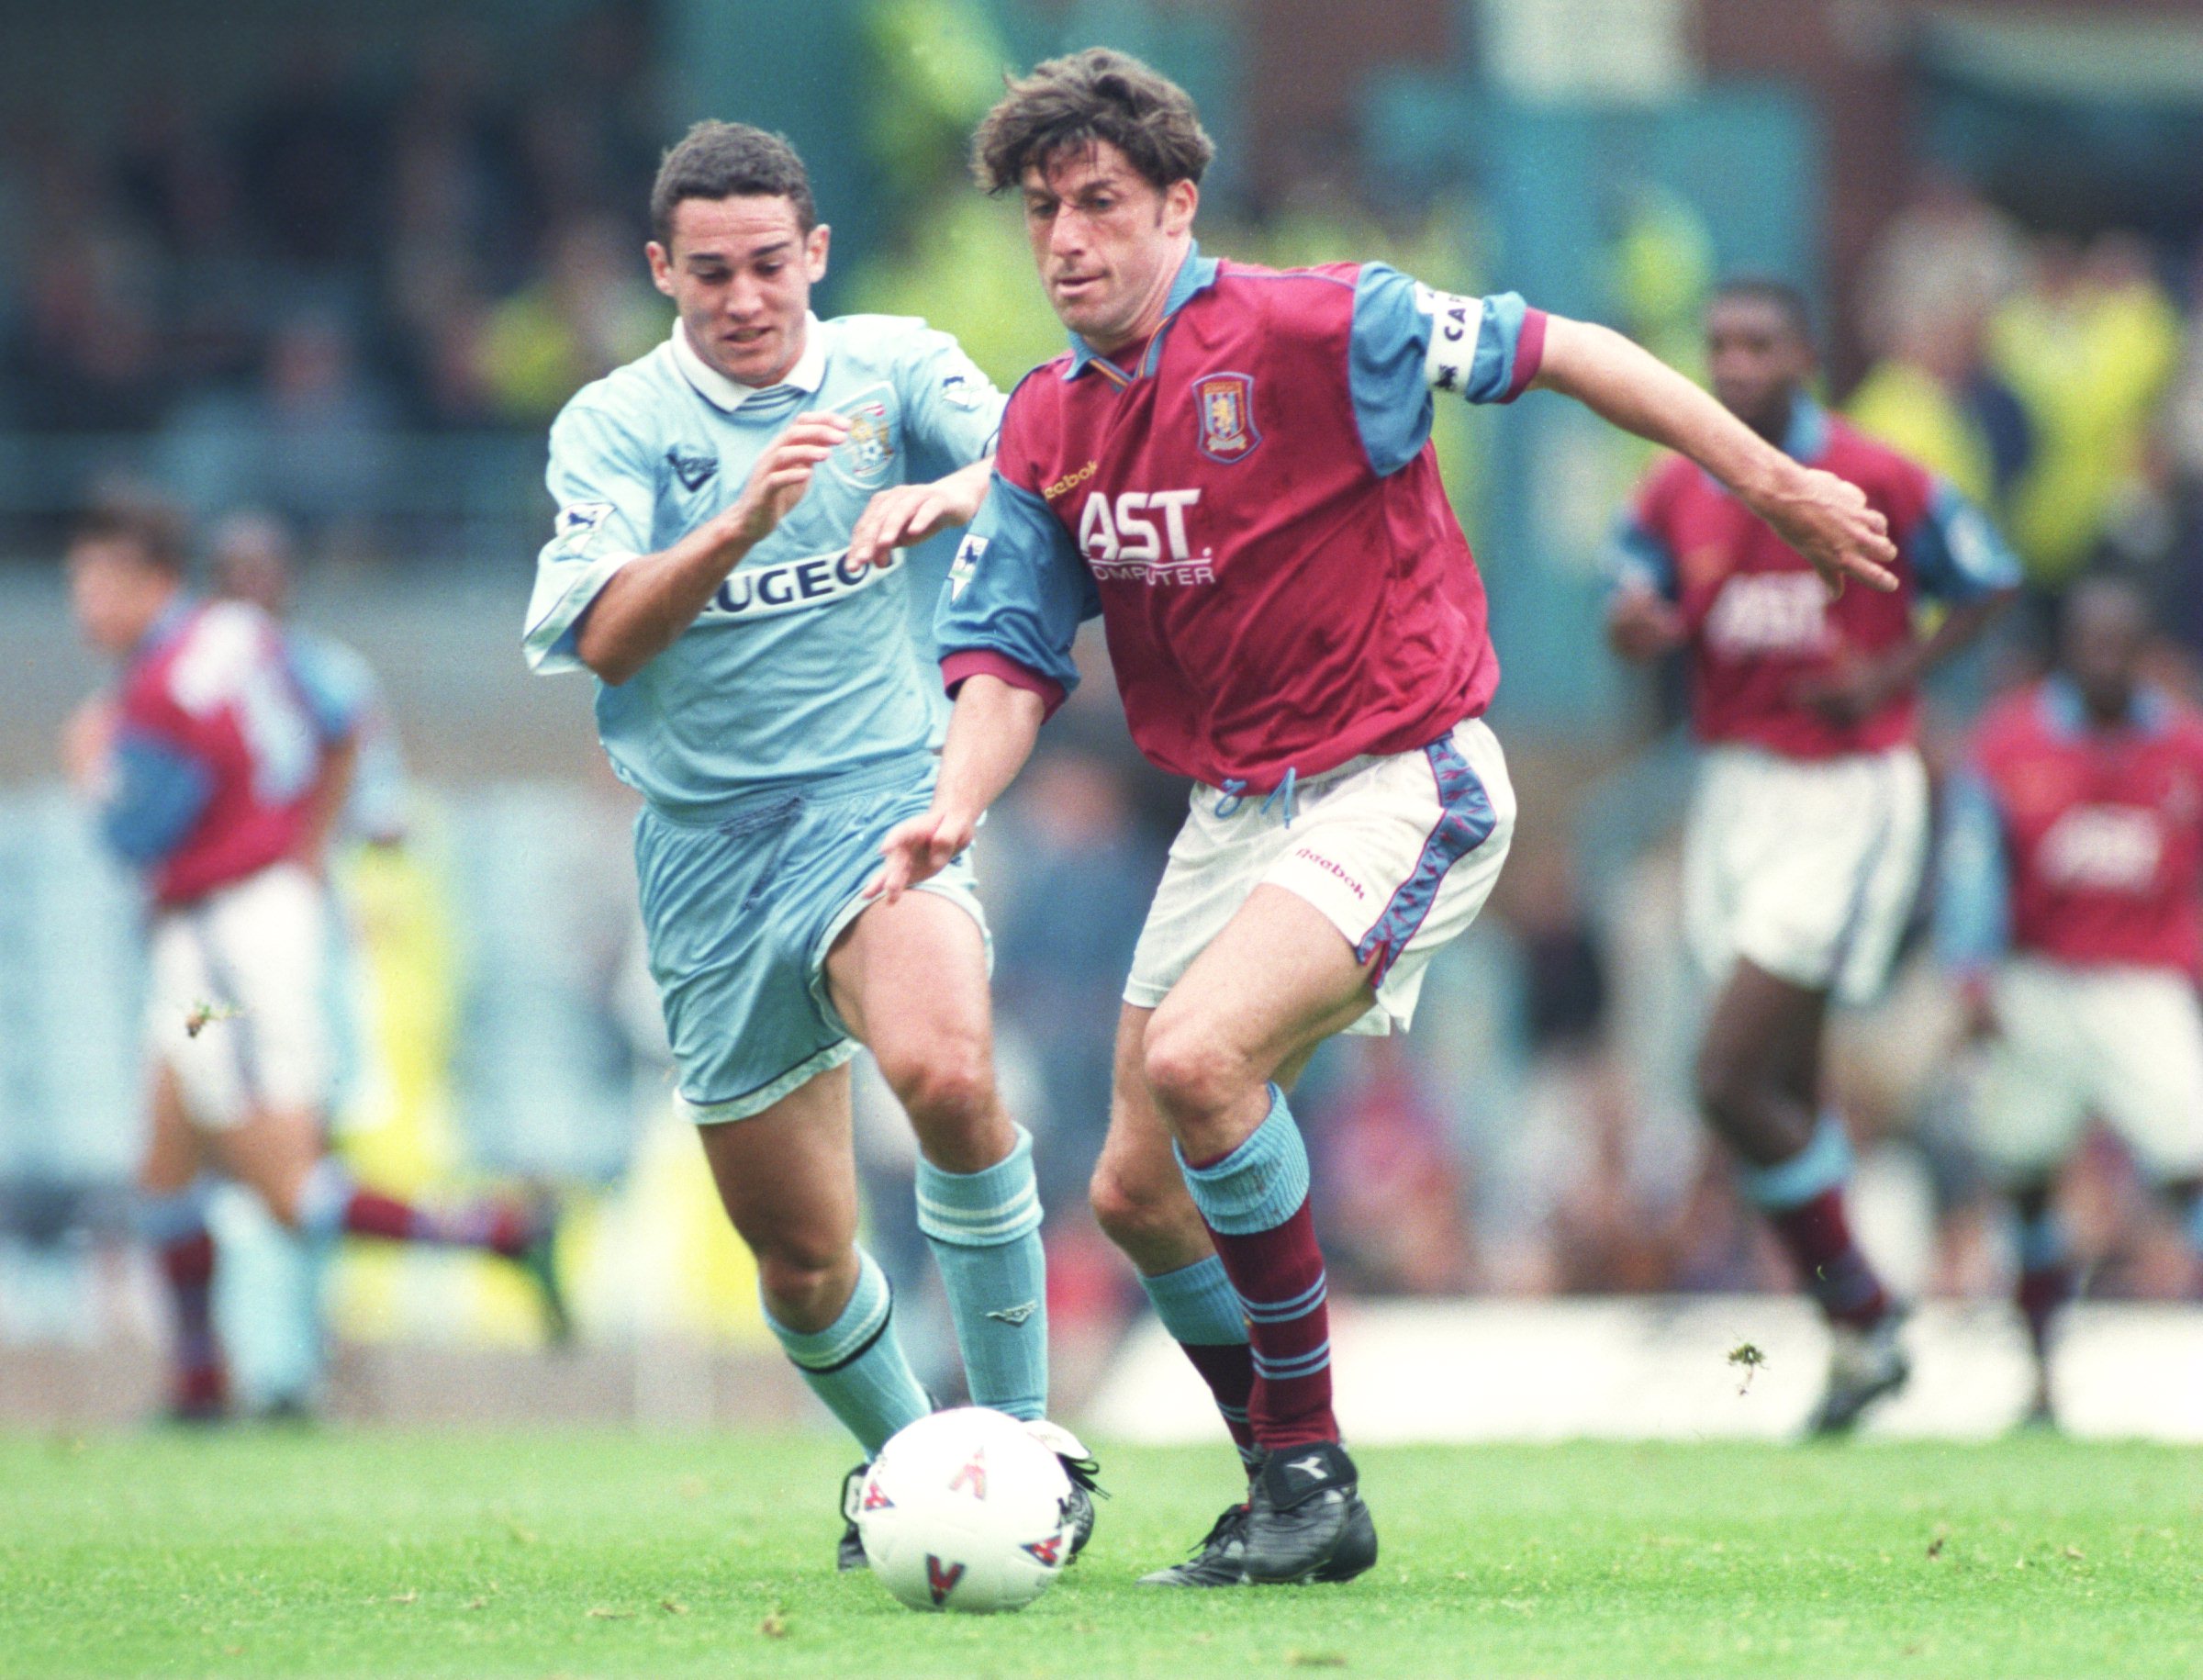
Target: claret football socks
[
  {"x": 1199, "y": 1310},
  {"x": 1255, "y": 1202}
]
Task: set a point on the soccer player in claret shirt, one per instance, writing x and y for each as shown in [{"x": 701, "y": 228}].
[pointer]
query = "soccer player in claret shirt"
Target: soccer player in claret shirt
[
  {"x": 1232, "y": 466},
  {"x": 724, "y": 562},
  {"x": 2071, "y": 910},
  {"x": 1808, "y": 830},
  {"x": 211, "y": 767}
]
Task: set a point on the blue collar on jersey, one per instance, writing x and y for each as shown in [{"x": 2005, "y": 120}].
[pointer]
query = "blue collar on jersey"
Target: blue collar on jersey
[
  {"x": 1806, "y": 438},
  {"x": 2150, "y": 712},
  {"x": 1196, "y": 273}
]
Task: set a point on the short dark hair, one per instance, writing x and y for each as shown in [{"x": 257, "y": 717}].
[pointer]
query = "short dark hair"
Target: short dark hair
[
  {"x": 157, "y": 529},
  {"x": 1070, "y": 103},
  {"x": 729, "y": 160},
  {"x": 1778, "y": 295}
]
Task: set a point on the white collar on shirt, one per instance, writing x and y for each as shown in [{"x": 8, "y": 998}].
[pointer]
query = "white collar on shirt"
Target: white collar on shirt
[{"x": 720, "y": 392}]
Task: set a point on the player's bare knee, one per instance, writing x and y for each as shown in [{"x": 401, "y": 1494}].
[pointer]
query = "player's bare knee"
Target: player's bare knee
[
  {"x": 1187, "y": 1072},
  {"x": 805, "y": 1279},
  {"x": 949, "y": 1082},
  {"x": 1127, "y": 1208}
]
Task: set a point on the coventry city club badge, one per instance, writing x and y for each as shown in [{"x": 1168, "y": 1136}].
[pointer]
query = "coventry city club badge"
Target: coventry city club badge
[
  {"x": 1226, "y": 406},
  {"x": 871, "y": 445}
]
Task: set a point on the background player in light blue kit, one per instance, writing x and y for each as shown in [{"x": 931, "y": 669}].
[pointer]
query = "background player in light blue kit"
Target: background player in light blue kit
[{"x": 723, "y": 561}]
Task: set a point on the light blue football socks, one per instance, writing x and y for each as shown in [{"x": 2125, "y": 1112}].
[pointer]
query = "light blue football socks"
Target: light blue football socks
[
  {"x": 856, "y": 1365},
  {"x": 984, "y": 1230}
]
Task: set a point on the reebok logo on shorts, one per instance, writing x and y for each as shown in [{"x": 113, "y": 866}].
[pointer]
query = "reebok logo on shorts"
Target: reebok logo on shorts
[{"x": 1324, "y": 864}]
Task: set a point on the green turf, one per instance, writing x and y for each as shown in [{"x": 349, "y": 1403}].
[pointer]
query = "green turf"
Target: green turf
[{"x": 490, "y": 1555}]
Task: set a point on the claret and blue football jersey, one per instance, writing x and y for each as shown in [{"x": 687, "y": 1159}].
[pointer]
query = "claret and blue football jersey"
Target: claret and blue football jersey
[
  {"x": 1760, "y": 620},
  {"x": 1251, "y": 504},
  {"x": 802, "y": 665}
]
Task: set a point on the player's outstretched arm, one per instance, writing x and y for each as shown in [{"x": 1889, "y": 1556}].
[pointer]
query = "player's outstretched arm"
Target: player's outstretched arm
[
  {"x": 1821, "y": 516},
  {"x": 649, "y": 601},
  {"x": 907, "y": 513},
  {"x": 991, "y": 731}
]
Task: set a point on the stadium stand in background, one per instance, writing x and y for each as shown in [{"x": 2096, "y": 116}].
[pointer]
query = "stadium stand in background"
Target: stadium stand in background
[{"x": 350, "y": 281}]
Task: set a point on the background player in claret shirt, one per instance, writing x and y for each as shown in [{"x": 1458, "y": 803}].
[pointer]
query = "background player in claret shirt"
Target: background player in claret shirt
[
  {"x": 724, "y": 562},
  {"x": 2071, "y": 910},
  {"x": 1808, "y": 831},
  {"x": 211, "y": 765},
  {"x": 1232, "y": 466}
]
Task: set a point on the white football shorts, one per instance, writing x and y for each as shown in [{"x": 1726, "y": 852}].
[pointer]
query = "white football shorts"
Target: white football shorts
[
  {"x": 1399, "y": 852},
  {"x": 1806, "y": 868},
  {"x": 237, "y": 1006},
  {"x": 2123, "y": 1044}
]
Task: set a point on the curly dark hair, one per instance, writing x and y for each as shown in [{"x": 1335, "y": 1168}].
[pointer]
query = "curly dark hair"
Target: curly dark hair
[
  {"x": 730, "y": 160},
  {"x": 1071, "y": 102}
]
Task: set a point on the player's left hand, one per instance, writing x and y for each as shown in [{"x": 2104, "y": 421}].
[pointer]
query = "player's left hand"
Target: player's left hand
[
  {"x": 1851, "y": 690},
  {"x": 918, "y": 849},
  {"x": 1825, "y": 518},
  {"x": 907, "y": 513}
]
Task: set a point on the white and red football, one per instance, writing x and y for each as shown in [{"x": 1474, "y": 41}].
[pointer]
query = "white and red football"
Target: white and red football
[{"x": 966, "y": 1510}]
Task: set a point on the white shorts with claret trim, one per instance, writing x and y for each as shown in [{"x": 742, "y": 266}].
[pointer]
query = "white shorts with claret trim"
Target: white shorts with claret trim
[
  {"x": 1806, "y": 868},
  {"x": 237, "y": 1007},
  {"x": 2123, "y": 1045},
  {"x": 1399, "y": 852}
]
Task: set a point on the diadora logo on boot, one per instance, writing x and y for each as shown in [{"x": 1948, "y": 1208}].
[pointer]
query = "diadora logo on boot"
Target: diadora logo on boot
[{"x": 1311, "y": 1467}]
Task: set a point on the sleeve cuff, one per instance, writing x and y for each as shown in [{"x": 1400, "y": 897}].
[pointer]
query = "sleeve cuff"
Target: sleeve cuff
[
  {"x": 984, "y": 662},
  {"x": 1530, "y": 353}
]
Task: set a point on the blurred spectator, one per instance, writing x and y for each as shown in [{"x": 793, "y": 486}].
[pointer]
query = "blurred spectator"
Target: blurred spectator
[
  {"x": 1068, "y": 878},
  {"x": 311, "y": 440},
  {"x": 310, "y": 156},
  {"x": 1934, "y": 398},
  {"x": 1947, "y": 255},
  {"x": 589, "y": 311},
  {"x": 2089, "y": 347},
  {"x": 1392, "y": 1223}
]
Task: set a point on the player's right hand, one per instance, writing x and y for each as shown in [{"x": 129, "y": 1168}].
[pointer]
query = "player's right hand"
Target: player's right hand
[
  {"x": 1826, "y": 519},
  {"x": 783, "y": 473},
  {"x": 919, "y": 849},
  {"x": 1642, "y": 625}
]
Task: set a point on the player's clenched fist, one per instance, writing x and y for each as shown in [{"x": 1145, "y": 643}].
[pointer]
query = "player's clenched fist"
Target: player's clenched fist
[
  {"x": 783, "y": 473},
  {"x": 918, "y": 850},
  {"x": 1828, "y": 520}
]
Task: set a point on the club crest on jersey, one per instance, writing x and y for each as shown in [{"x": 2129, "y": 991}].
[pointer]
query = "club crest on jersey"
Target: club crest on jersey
[
  {"x": 871, "y": 445},
  {"x": 1227, "y": 405}
]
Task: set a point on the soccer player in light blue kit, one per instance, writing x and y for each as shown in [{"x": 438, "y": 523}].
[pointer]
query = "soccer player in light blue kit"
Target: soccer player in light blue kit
[{"x": 723, "y": 560}]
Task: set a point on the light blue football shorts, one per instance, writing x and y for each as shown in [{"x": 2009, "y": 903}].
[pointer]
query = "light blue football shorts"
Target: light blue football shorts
[{"x": 740, "y": 912}]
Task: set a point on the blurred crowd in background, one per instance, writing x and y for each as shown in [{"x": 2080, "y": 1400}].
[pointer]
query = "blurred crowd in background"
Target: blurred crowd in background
[{"x": 268, "y": 303}]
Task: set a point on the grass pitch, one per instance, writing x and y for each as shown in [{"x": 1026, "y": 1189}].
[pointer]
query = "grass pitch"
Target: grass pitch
[{"x": 278, "y": 1553}]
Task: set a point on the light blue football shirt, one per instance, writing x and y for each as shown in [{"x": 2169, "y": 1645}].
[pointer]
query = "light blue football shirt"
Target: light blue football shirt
[{"x": 801, "y": 666}]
